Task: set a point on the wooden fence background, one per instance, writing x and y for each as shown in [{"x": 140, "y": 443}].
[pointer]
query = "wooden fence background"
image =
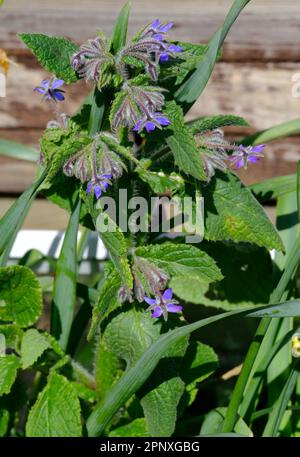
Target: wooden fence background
[{"x": 253, "y": 78}]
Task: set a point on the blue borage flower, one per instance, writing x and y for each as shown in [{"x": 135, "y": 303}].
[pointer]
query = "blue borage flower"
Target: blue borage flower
[
  {"x": 151, "y": 121},
  {"x": 99, "y": 183},
  {"x": 151, "y": 47},
  {"x": 163, "y": 304},
  {"x": 158, "y": 31},
  {"x": 50, "y": 88},
  {"x": 246, "y": 154}
]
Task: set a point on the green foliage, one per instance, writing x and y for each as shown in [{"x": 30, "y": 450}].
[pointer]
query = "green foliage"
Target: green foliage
[
  {"x": 182, "y": 143},
  {"x": 58, "y": 145},
  {"x": 128, "y": 336},
  {"x": 107, "y": 299},
  {"x": 53, "y": 53},
  {"x": 56, "y": 412},
  {"x": 214, "y": 122},
  {"x": 8, "y": 369},
  {"x": 214, "y": 420},
  {"x": 64, "y": 289},
  {"x": 185, "y": 63},
  {"x": 199, "y": 362},
  {"x": 107, "y": 367},
  {"x": 181, "y": 260},
  {"x": 18, "y": 151},
  {"x": 243, "y": 267},
  {"x": 133, "y": 429},
  {"x": 20, "y": 296},
  {"x": 34, "y": 344},
  {"x": 161, "y": 183},
  {"x": 232, "y": 213},
  {"x": 120, "y": 30}
]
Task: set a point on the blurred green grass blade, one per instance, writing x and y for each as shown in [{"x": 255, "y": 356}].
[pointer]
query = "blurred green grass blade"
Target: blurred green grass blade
[
  {"x": 135, "y": 376},
  {"x": 298, "y": 191},
  {"x": 274, "y": 133},
  {"x": 292, "y": 262},
  {"x": 193, "y": 87},
  {"x": 287, "y": 225},
  {"x": 13, "y": 219},
  {"x": 64, "y": 290},
  {"x": 120, "y": 29},
  {"x": 275, "y": 417},
  {"x": 251, "y": 392},
  {"x": 274, "y": 187},
  {"x": 18, "y": 151}
]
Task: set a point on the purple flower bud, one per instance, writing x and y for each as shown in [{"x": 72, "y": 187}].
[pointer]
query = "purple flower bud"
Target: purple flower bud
[{"x": 91, "y": 59}]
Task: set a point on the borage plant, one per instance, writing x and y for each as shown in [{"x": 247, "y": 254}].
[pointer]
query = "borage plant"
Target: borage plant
[{"x": 117, "y": 359}]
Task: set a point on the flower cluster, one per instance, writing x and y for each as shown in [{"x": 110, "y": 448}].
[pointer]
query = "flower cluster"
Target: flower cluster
[
  {"x": 140, "y": 108},
  {"x": 95, "y": 165},
  {"x": 151, "y": 47}
]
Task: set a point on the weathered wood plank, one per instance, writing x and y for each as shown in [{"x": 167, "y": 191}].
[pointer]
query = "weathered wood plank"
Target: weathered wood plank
[
  {"x": 267, "y": 29},
  {"x": 260, "y": 93},
  {"x": 42, "y": 215}
]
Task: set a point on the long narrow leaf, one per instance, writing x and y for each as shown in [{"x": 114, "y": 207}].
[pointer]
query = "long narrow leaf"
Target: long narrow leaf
[
  {"x": 135, "y": 376},
  {"x": 64, "y": 291},
  {"x": 273, "y": 188},
  {"x": 18, "y": 151},
  {"x": 14, "y": 218},
  {"x": 193, "y": 87},
  {"x": 274, "y": 133},
  {"x": 120, "y": 30},
  {"x": 281, "y": 404}
]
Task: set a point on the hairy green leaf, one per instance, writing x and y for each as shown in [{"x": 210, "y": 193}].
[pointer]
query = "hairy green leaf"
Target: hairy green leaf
[
  {"x": 107, "y": 300},
  {"x": 53, "y": 53},
  {"x": 232, "y": 213},
  {"x": 181, "y": 260},
  {"x": 20, "y": 296},
  {"x": 137, "y": 427},
  {"x": 9, "y": 365},
  {"x": 34, "y": 344},
  {"x": 128, "y": 336},
  {"x": 199, "y": 362},
  {"x": 214, "y": 122},
  {"x": 182, "y": 143},
  {"x": 243, "y": 267},
  {"x": 56, "y": 412}
]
